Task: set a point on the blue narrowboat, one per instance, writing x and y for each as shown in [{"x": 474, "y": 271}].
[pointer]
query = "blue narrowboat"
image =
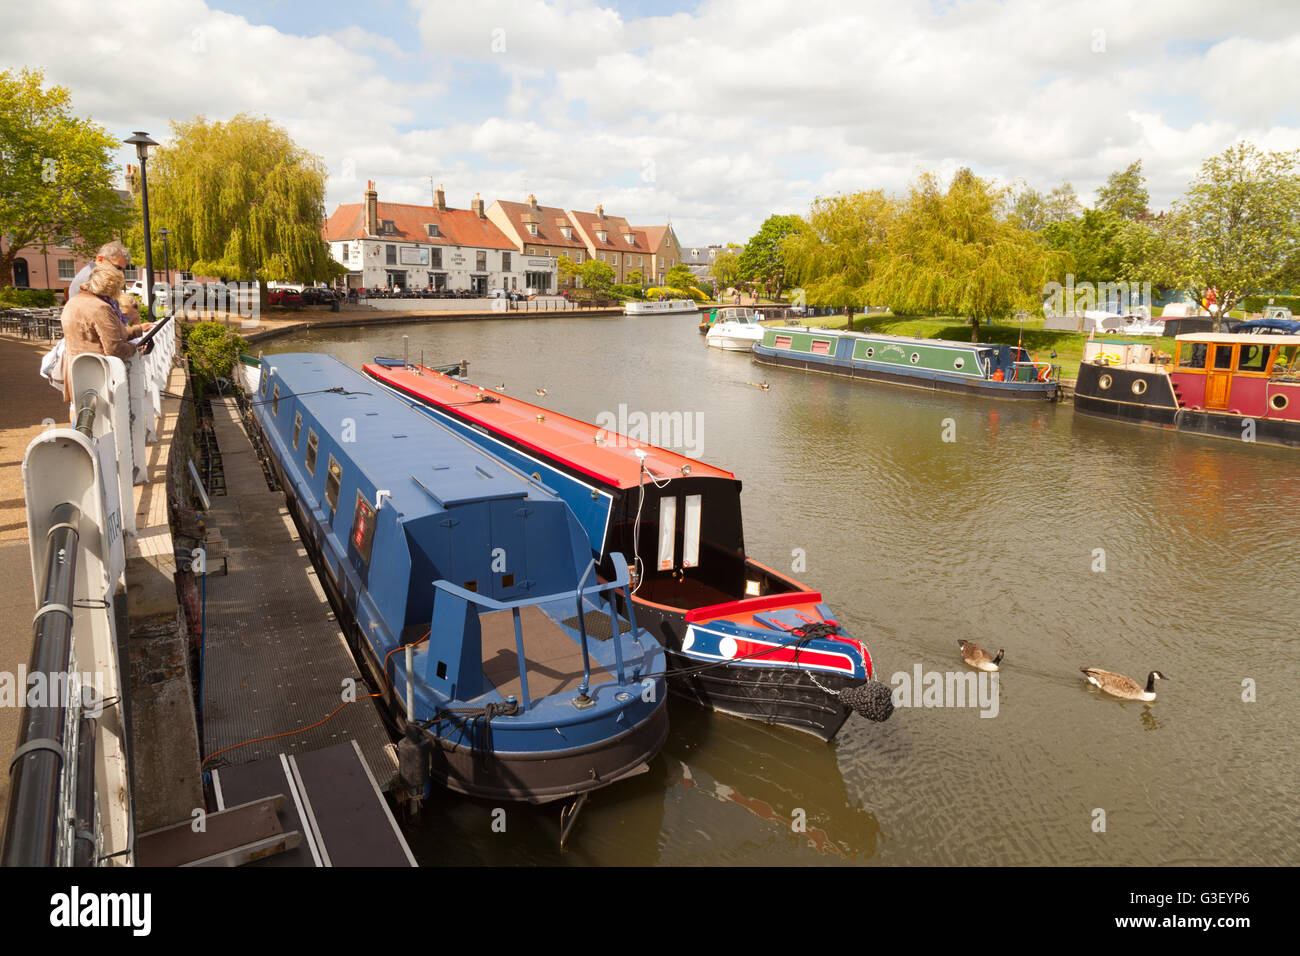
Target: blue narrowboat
[
  {"x": 525, "y": 682},
  {"x": 1001, "y": 371},
  {"x": 742, "y": 638}
]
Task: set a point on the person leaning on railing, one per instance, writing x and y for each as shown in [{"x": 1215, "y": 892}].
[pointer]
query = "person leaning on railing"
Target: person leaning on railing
[{"x": 92, "y": 322}]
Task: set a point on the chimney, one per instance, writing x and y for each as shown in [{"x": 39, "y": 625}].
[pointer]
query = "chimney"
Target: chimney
[
  {"x": 372, "y": 209},
  {"x": 440, "y": 198},
  {"x": 477, "y": 206},
  {"x": 600, "y": 211},
  {"x": 532, "y": 202},
  {"x": 132, "y": 179}
]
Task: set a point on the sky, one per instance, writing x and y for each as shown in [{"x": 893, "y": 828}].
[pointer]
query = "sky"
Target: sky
[{"x": 711, "y": 115}]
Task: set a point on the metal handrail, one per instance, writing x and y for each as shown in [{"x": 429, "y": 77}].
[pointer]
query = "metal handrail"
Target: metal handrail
[
  {"x": 42, "y": 759},
  {"x": 622, "y": 579}
]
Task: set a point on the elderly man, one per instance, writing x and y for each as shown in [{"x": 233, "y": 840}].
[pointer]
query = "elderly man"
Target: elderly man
[{"x": 110, "y": 253}]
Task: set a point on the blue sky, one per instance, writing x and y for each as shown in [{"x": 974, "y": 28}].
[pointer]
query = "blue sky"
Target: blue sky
[{"x": 713, "y": 114}]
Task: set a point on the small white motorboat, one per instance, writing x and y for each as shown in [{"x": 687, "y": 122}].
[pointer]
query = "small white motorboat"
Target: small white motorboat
[{"x": 736, "y": 329}]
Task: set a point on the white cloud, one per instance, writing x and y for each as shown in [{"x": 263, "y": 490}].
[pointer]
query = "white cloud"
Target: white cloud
[{"x": 715, "y": 117}]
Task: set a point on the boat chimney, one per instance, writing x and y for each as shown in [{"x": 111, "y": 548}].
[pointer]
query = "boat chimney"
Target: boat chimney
[{"x": 372, "y": 209}]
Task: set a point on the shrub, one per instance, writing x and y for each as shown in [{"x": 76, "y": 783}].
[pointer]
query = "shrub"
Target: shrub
[
  {"x": 1258, "y": 303},
  {"x": 26, "y": 298},
  {"x": 213, "y": 351}
]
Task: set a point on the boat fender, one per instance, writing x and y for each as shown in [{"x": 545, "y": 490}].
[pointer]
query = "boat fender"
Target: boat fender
[
  {"x": 414, "y": 762},
  {"x": 873, "y": 700},
  {"x": 1043, "y": 373}
]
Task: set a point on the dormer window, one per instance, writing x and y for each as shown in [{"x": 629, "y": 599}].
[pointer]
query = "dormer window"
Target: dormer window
[
  {"x": 433, "y": 230},
  {"x": 566, "y": 231},
  {"x": 387, "y": 227},
  {"x": 602, "y": 235},
  {"x": 532, "y": 228},
  {"x": 631, "y": 239}
]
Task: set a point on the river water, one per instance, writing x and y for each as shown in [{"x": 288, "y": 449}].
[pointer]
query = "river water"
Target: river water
[{"x": 1068, "y": 542}]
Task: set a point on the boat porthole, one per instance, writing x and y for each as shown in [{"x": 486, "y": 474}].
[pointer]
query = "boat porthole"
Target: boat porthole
[
  {"x": 1104, "y": 382},
  {"x": 958, "y": 362},
  {"x": 537, "y": 476},
  {"x": 916, "y": 357},
  {"x": 1279, "y": 402},
  {"x": 1140, "y": 386},
  {"x": 870, "y": 352}
]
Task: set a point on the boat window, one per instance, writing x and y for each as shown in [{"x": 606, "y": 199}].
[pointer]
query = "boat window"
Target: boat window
[
  {"x": 311, "y": 452},
  {"x": 1192, "y": 354},
  {"x": 916, "y": 357},
  {"x": 332, "y": 482},
  {"x": 870, "y": 351},
  {"x": 297, "y": 428},
  {"x": 1223, "y": 356},
  {"x": 363, "y": 527},
  {"x": 667, "y": 532},
  {"x": 783, "y": 341},
  {"x": 958, "y": 362},
  {"x": 266, "y": 380},
  {"x": 821, "y": 347},
  {"x": 691, "y": 534},
  {"x": 1286, "y": 356},
  {"x": 275, "y": 401},
  {"x": 1253, "y": 358}
]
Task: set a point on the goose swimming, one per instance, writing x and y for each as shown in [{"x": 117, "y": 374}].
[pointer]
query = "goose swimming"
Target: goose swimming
[
  {"x": 978, "y": 658},
  {"x": 1117, "y": 685}
]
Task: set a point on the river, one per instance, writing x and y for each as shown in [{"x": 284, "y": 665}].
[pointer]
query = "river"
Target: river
[{"x": 1066, "y": 541}]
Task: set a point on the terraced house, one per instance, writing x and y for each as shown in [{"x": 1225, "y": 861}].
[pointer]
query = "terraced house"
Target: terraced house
[
  {"x": 399, "y": 245},
  {"x": 540, "y": 234},
  {"x": 610, "y": 239}
]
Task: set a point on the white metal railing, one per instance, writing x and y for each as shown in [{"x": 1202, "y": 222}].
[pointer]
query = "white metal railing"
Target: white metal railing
[{"x": 70, "y": 801}]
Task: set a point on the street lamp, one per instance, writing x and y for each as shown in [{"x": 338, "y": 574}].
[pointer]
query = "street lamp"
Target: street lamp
[
  {"x": 142, "y": 142},
  {"x": 167, "y": 271}
]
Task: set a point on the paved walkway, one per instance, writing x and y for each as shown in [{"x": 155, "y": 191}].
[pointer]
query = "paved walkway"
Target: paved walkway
[{"x": 27, "y": 400}]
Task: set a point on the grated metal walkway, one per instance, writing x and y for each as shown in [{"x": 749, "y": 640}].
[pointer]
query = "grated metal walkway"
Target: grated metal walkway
[{"x": 275, "y": 657}]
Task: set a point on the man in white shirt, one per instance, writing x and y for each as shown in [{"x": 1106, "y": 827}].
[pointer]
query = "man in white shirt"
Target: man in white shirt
[{"x": 112, "y": 253}]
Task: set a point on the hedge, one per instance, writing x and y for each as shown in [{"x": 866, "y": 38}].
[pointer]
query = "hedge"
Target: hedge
[
  {"x": 1258, "y": 303},
  {"x": 26, "y": 298}
]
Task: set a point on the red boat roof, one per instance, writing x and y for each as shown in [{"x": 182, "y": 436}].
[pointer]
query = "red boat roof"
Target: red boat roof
[{"x": 611, "y": 460}]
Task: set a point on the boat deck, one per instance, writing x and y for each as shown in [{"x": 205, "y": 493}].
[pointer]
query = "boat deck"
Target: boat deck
[{"x": 554, "y": 659}]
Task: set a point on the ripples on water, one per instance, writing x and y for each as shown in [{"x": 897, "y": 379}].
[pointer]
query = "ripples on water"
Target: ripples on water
[{"x": 917, "y": 543}]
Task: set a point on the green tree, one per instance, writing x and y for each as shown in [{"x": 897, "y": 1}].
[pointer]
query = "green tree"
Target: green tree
[
  {"x": 213, "y": 352},
  {"x": 635, "y": 278},
  {"x": 726, "y": 270},
  {"x": 597, "y": 276},
  {"x": 833, "y": 253},
  {"x": 959, "y": 252},
  {"x": 569, "y": 271},
  {"x": 679, "y": 277},
  {"x": 763, "y": 259},
  {"x": 1125, "y": 193},
  {"x": 1029, "y": 209},
  {"x": 240, "y": 199},
  {"x": 1237, "y": 229},
  {"x": 56, "y": 172},
  {"x": 1061, "y": 203},
  {"x": 1103, "y": 246}
]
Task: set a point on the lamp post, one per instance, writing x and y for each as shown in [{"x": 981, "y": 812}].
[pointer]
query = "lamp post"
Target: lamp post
[
  {"x": 142, "y": 142},
  {"x": 167, "y": 271}
]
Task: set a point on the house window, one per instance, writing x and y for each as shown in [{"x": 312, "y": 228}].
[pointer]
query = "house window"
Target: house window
[
  {"x": 63, "y": 242},
  {"x": 505, "y": 262},
  {"x": 433, "y": 230},
  {"x": 391, "y": 253},
  {"x": 435, "y": 258},
  {"x": 67, "y": 268},
  {"x": 566, "y": 231},
  {"x": 388, "y": 227},
  {"x": 344, "y": 248},
  {"x": 480, "y": 260},
  {"x": 579, "y": 257},
  {"x": 532, "y": 228},
  {"x": 132, "y": 273},
  {"x": 532, "y": 251}
]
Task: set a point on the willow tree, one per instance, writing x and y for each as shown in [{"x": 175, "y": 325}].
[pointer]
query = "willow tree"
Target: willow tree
[
  {"x": 240, "y": 200},
  {"x": 959, "y": 252},
  {"x": 834, "y": 250},
  {"x": 56, "y": 172}
]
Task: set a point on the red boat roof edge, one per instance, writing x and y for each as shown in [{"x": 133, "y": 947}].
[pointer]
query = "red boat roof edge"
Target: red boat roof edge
[{"x": 752, "y": 605}]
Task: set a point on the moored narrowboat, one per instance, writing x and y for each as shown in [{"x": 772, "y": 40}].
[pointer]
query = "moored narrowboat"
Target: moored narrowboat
[
  {"x": 1242, "y": 386},
  {"x": 1002, "y": 371},
  {"x": 742, "y": 638},
  {"x": 524, "y": 680}
]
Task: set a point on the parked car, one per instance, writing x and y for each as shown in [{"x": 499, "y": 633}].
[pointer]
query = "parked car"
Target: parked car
[{"x": 284, "y": 297}]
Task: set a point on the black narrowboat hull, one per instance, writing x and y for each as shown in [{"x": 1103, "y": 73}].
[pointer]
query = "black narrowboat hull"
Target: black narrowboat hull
[
  {"x": 1158, "y": 407},
  {"x": 981, "y": 387}
]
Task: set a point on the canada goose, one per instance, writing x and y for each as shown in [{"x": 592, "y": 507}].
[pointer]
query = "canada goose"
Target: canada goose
[
  {"x": 1117, "y": 685},
  {"x": 541, "y": 391},
  {"x": 501, "y": 387},
  {"x": 978, "y": 658}
]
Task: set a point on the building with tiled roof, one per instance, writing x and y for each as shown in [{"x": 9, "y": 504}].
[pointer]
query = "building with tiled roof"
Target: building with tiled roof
[
  {"x": 665, "y": 251},
  {"x": 699, "y": 259},
  {"x": 399, "y": 245},
  {"x": 612, "y": 240},
  {"x": 541, "y": 234}
]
